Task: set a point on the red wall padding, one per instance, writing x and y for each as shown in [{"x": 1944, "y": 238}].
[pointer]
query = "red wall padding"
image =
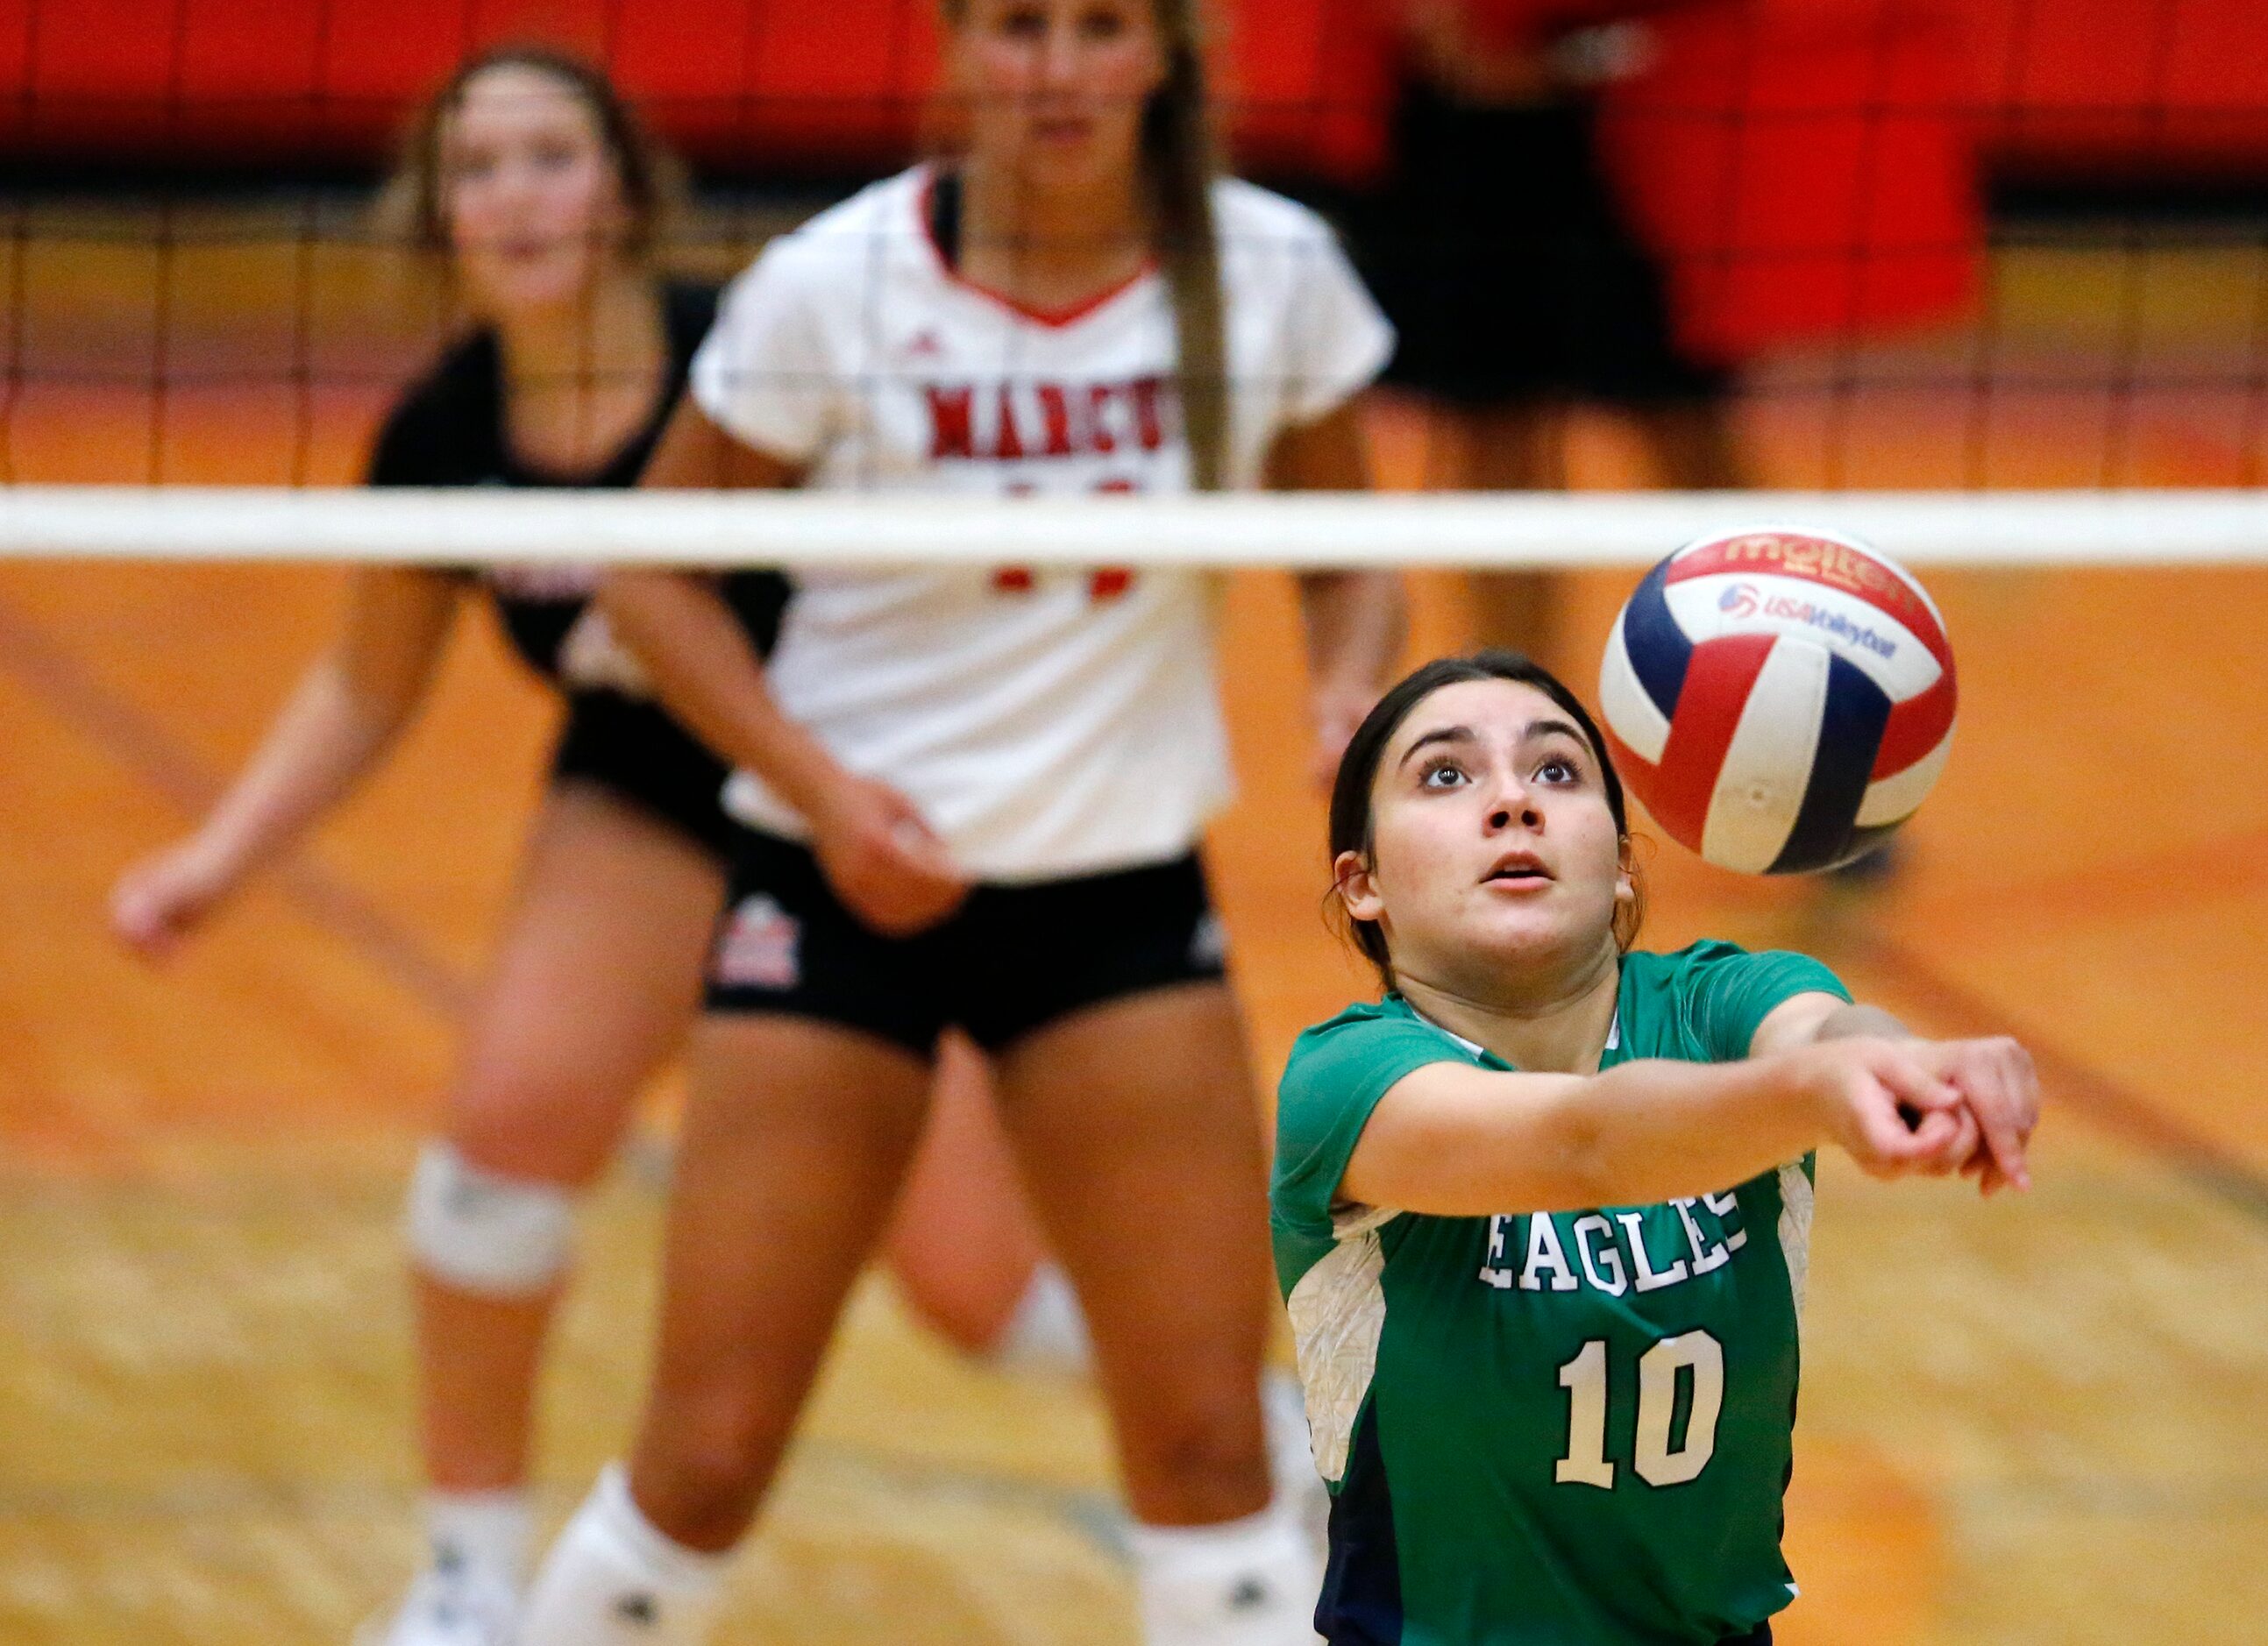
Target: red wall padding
[
  {"x": 2131, "y": 89},
  {"x": 1805, "y": 168},
  {"x": 758, "y": 85},
  {"x": 2076, "y": 86},
  {"x": 1803, "y": 176}
]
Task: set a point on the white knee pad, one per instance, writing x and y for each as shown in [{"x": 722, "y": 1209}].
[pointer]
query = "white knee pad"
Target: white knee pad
[{"x": 481, "y": 1232}]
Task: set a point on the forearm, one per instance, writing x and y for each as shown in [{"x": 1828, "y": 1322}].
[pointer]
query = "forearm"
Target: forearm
[
  {"x": 1458, "y": 1142},
  {"x": 709, "y": 676},
  {"x": 1355, "y": 623},
  {"x": 1651, "y": 1130},
  {"x": 346, "y": 710},
  {"x": 325, "y": 740},
  {"x": 1844, "y": 1022},
  {"x": 1354, "y": 620}
]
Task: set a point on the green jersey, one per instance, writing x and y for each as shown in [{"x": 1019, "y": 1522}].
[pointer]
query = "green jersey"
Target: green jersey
[{"x": 1546, "y": 1430}]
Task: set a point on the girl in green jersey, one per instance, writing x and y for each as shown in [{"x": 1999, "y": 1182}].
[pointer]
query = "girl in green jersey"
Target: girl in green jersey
[{"x": 1541, "y": 1213}]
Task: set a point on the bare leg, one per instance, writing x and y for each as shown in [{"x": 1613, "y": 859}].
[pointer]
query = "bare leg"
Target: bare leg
[
  {"x": 1136, "y": 1124},
  {"x": 963, "y": 1244},
  {"x": 594, "y": 986},
  {"x": 797, "y": 1136},
  {"x": 1137, "y": 1129},
  {"x": 796, "y": 1139}
]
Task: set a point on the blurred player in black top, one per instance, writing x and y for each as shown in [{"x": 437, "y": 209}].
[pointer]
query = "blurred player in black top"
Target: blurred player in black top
[
  {"x": 529, "y": 182},
  {"x": 451, "y": 430}
]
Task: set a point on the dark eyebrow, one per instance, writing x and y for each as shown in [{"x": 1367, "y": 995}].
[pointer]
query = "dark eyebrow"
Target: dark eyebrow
[
  {"x": 1546, "y": 728},
  {"x": 1445, "y": 734}
]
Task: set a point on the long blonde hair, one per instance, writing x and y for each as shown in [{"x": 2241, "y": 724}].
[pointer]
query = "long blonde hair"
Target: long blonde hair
[{"x": 1180, "y": 159}]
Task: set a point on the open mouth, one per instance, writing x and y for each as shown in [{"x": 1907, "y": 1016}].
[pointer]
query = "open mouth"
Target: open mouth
[{"x": 1518, "y": 870}]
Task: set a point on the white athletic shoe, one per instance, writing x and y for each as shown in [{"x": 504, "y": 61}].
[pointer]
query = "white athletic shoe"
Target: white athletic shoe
[{"x": 447, "y": 1608}]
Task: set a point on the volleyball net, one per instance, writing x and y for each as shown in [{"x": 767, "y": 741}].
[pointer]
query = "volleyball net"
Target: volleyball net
[
  {"x": 2173, "y": 527},
  {"x": 1981, "y": 283}
]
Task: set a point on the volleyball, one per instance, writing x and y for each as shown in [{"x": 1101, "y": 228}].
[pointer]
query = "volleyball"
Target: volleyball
[{"x": 1778, "y": 700}]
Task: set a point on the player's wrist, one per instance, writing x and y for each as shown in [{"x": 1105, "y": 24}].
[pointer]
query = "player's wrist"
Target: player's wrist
[
  {"x": 212, "y": 863},
  {"x": 1801, "y": 1086},
  {"x": 801, "y": 771},
  {"x": 844, "y": 809},
  {"x": 1336, "y": 703},
  {"x": 1353, "y": 660}
]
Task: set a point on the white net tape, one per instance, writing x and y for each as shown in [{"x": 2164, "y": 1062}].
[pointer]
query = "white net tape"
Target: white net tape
[{"x": 2010, "y": 528}]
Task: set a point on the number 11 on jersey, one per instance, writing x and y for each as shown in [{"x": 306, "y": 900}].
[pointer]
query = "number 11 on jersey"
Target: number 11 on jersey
[{"x": 1657, "y": 1462}]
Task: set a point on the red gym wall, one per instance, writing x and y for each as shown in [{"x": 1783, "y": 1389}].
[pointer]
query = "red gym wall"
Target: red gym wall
[
  {"x": 1804, "y": 170},
  {"x": 2077, "y": 88},
  {"x": 756, "y": 85}
]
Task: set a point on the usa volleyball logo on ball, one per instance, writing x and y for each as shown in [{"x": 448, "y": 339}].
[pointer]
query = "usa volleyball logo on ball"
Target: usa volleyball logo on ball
[{"x": 1778, "y": 700}]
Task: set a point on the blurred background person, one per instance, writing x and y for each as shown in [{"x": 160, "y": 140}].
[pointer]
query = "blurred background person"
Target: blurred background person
[
  {"x": 975, "y": 798},
  {"x": 1517, "y": 286},
  {"x": 1622, "y": 207},
  {"x": 531, "y": 181}
]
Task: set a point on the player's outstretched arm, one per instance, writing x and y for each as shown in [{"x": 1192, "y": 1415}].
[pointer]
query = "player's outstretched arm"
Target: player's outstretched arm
[
  {"x": 345, "y": 712},
  {"x": 2001, "y": 1092},
  {"x": 1454, "y": 1140}
]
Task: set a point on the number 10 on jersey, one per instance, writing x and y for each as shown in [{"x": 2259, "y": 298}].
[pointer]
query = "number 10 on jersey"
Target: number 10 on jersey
[{"x": 1658, "y": 1463}]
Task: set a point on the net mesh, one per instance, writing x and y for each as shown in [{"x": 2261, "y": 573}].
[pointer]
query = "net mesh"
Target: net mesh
[
  {"x": 196, "y": 292},
  {"x": 201, "y": 326}
]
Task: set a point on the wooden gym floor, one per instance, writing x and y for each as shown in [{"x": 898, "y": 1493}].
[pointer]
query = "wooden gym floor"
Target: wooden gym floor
[{"x": 2027, "y": 1423}]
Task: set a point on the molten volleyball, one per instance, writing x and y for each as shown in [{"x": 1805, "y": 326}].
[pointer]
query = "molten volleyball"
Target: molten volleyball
[{"x": 1778, "y": 700}]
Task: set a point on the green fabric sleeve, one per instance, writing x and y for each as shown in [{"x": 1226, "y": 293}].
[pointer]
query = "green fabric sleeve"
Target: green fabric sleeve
[
  {"x": 1730, "y": 990},
  {"x": 1336, "y": 1074}
]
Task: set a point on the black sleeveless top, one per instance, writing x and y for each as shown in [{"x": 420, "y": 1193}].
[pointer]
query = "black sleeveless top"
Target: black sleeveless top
[{"x": 448, "y": 430}]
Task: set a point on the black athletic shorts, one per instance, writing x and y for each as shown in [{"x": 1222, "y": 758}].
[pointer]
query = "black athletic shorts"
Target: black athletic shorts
[
  {"x": 637, "y": 752},
  {"x": 1498, "y": 251},
  {"x": 1010, "y": 960}
]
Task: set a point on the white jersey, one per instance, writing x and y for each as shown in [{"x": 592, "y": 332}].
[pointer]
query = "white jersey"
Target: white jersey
[{"x": 1048, "y": 724}]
